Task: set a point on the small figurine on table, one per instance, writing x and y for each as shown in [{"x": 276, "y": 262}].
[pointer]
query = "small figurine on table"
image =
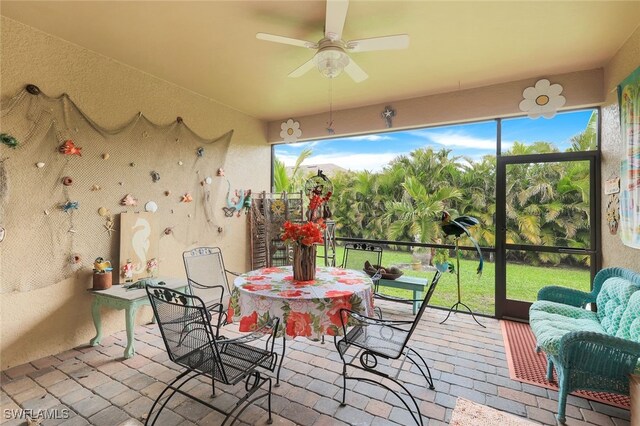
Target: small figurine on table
[
  {"x": 127, "y": 271},
  {"x": 152, "y": 266}
]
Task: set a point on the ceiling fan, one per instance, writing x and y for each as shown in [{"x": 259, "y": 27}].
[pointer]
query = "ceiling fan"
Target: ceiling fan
[{"x": 331, "y": 56}]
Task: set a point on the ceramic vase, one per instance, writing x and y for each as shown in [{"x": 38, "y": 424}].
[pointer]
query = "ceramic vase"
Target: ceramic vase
[{"x": 304, "y": 262}]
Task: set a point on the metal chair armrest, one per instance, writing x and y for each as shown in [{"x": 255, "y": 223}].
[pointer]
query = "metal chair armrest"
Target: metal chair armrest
[
  {"x": 345, "y": 314},
  {"x": 269, "y": 328},
  {"x": 235, "y": 274}
]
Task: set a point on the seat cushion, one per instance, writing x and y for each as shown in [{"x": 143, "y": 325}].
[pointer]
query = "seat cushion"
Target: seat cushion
[
  {"x": 549, "y": 327},
  {"x": 612, "y": 302},
  {"x": 562, "y": 309},
  {"x": 630, "y": 323}
]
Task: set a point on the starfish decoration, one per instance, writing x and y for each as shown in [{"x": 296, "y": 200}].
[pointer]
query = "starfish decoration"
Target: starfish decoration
[
  {"x": 388, "y": 115},
  {"x": 109, "y": 226},
  {"x": 69, "y": 206}
]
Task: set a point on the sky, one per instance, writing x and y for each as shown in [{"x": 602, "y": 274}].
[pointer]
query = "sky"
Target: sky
[{"x": 472, "y": 140}]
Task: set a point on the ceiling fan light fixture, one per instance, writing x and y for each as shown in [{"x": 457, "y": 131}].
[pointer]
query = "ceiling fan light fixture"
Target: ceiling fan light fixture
[{"x": 331, "y": 60}]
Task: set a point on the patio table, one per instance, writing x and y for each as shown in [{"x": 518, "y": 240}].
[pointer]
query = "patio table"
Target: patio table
[
  {"x": 118, "y": 297},
  {"x": 306, "y": 308}
]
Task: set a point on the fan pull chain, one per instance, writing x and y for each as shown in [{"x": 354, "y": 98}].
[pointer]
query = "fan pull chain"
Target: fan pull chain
[{"x": 330, "y": 129}]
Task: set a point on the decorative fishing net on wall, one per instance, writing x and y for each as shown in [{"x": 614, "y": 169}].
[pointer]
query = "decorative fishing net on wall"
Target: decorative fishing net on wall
[{"x": 45, "y": 244}]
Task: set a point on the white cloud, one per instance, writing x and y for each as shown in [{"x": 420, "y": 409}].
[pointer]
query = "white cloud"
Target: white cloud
[
  {"x": 456, "y": 139},
  {"x": 350, "y": 161}
]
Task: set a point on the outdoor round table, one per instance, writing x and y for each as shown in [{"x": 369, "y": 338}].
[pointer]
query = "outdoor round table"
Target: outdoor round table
[{"x": 305, "y": 308}]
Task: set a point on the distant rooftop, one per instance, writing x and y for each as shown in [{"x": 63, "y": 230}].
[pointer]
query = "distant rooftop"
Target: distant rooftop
[{"x": 328, "y": 169}]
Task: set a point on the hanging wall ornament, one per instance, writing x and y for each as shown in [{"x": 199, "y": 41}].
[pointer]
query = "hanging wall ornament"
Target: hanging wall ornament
[
  {"x": 290, "y": 131},
  {"x": 155, "y": 176},
  {"x": 220, "y": 172},
  {"x": 151, "y": 207},
  {"x": 9, "y": 140},
  {"x": 69, "y": 205},
  {"x": 543, "y": 99},
  {"x": 388, "y": 115},
  {"x": 200, "y": 152},
  {"x": 613, "y": 213},
  {"x": 109, "y": 226},
  {"x": 69, "y": 148},
  {"x": 186, "y": 198},
  {"x": 67, "y": 181},
  {"x": 129, "y": 200}
]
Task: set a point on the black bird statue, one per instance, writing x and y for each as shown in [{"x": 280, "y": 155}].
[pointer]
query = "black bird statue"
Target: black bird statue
[{"x": 457, "y": 227}]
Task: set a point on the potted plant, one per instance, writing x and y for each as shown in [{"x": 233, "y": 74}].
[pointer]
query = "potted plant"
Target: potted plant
[
  {"x": 441, "y": 260},
  {"x": 421, "y": 256}
]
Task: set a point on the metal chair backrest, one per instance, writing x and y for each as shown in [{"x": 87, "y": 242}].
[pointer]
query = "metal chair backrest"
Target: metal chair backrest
[
  {"x": 425, "y": 302},
  {"x": 357, "y": 254},
  {"x": 186, "y": 330},
  {"x": 206, "y": 274}
]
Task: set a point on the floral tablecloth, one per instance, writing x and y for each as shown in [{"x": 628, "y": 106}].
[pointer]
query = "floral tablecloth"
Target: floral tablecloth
[{"x": 305, "y": 308}]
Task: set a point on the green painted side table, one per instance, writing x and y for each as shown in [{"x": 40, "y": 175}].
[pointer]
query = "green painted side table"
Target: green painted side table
[
  {"x": 416, "y": 285},
  {"x": 118, "y": 297}
]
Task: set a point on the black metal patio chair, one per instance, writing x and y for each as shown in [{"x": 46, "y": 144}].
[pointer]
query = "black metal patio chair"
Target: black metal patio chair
[
  {"x": 207, "y": 279},
  {"x": 370, "y": 341},
  {"x": 359, "y": 256},
  {"x": 191, "y": 343}
]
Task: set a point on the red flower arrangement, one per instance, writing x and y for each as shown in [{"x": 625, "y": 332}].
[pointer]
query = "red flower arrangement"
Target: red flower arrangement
[{"x": 307, "y": 233}]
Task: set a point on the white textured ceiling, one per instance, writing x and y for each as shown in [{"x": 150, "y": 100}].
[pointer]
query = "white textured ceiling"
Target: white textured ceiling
[{"x": 209, "y": 47}]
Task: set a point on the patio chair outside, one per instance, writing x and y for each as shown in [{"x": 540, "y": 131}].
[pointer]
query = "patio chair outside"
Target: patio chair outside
[
  {"x": 207, "y": 279},
  {"x": 190, "y": 342},
  {"x": 372, "y": 340}
]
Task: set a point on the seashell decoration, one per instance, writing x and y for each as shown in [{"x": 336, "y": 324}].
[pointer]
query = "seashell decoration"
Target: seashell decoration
[
  {"x": 208, "y": 180},
  {"x": 151, "y": 207},
  {"x": 103, "y": 211},
  {"x": 155, "y": 176},
  {"x": 105, "y": 156},
  {"x": 67, "y": 181},
  {"x": 40, "y": 164},
  {"x": 129, "y": 200},
  {"x": 186, "y": 198}
]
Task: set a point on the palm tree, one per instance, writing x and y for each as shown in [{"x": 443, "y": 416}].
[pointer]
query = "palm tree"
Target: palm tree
[
  {"x": 416, "y": 216},
  {"x": 282, "y": 181}
]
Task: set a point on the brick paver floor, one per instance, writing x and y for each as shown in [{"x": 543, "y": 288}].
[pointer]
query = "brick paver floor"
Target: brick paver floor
[{"x": 95, "y": 385}]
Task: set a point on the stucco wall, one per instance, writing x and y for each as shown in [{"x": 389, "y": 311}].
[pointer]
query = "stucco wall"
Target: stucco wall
[
  {"x": 58, "y": 317},
  {"x": 626, "y": 60}
]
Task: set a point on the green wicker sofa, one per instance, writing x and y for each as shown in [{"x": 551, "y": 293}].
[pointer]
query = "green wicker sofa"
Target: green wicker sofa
[{"x": 590, "y": 350}]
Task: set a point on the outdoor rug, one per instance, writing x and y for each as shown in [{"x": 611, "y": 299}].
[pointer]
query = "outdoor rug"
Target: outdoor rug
[
  {"x": 468, "y": 413},
  {"x": 527, "y": 366}
]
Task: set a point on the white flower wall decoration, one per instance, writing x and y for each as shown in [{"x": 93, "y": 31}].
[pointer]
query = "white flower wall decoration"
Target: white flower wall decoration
[
  {"x": 290, "y": 131},
  {"x": 543, "y": 99}
]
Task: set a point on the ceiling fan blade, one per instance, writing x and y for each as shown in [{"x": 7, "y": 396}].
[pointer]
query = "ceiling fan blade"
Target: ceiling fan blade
[
  {"x": 286, "y": 40},
  {"x": 399, "y": 41},
  {"x": 355, "y": 72},
  {"x": 336, "y": 15},
  {"x": 304, "y": 68}
]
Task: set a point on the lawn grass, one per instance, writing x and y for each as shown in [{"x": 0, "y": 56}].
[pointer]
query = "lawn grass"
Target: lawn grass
[{"x": 478, "y": 292}]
